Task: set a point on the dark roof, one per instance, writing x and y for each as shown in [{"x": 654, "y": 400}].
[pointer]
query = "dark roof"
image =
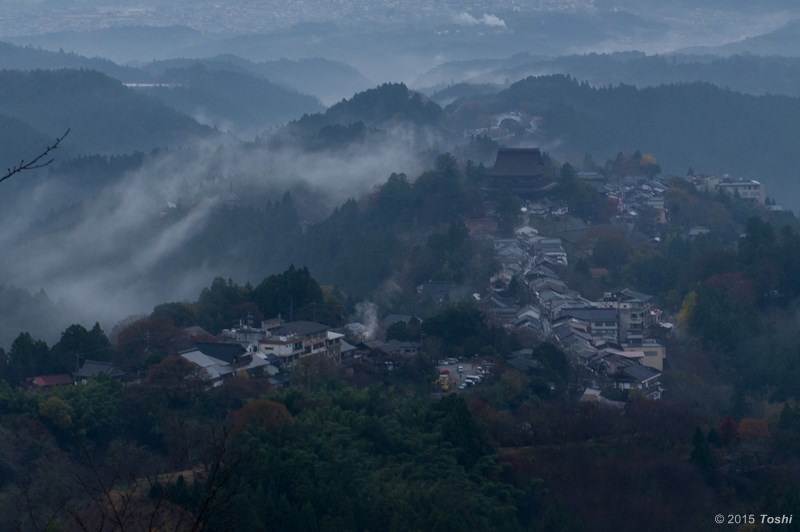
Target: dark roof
[
  {"x": 629, "y": 294},
  {"x": 518, "y": 162},
  {"x": 523, "y": 364},
  {"x": 227, "y": 352},
  {"x": 272, "y": 359},
  {"x": 299, "y": 328},
  {"x": 639, "y": 373},
  {"x": 92, "y": 368}
]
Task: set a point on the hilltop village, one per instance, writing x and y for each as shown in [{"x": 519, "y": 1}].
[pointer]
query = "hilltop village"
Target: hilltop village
[{"x": 613, "y": 337}]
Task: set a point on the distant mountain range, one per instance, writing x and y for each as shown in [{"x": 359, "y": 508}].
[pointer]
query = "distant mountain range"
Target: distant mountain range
[
  {"x": 784, "y": 41},
  {"x": 330, "y": 81},
  {"x": 13, "y": 57},
  {"x": 235, "y": 102},
  {"x": 120, "y": 44},
  {"x": 745, "y": 73}
]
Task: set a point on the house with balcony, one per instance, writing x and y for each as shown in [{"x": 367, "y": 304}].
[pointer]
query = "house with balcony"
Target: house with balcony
[
  {"x": 634, "y": 310},
  {"x": 601, "y": 322},
  {"x": 747, "y": 189},
  {"x": 296, "y": 340}
]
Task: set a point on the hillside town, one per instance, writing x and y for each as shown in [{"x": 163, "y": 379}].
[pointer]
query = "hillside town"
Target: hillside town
[{"x": 614, "y": 343}]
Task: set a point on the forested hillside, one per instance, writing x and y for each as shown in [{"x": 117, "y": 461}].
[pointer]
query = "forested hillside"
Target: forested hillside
[
  {"x": 104, "y": 116},
  {"x": 689, "y": 125},
  {"x": 328, "y": 80},
  {"x": 29, "y": 58},
  {"x": 746, "y": 73},
  {"x": 230, "y": 101}
]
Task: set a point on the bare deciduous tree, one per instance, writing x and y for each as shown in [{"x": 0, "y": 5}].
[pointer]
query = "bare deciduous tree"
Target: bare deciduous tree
[{"x": 39, "y": 161}]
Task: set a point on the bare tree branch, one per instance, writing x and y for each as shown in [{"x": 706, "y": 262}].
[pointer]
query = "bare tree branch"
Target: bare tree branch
[{"x": 37, "y": 162}]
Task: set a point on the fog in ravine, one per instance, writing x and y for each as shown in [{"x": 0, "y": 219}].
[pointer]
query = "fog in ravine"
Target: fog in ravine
[{"x": 107, "y": 259}]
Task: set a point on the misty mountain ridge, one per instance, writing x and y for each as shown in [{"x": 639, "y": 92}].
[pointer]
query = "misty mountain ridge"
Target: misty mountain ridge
[
  {"x": 687, "y": 124},
  {"x": 368, "y": 114},
  {"x": 326, "y": 79},
  {"x": 783, "y": 41},
  {"x": 744, "y": 73},
  {"x": 121, "y": 44},
  {"x": 105, "y": 117},
  {"x": 235, "y": 102},
  {"x": 13, "y": 57}
]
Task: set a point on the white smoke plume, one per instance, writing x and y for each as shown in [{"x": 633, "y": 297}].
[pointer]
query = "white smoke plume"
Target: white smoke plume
[{"x": 367, "y": 315}]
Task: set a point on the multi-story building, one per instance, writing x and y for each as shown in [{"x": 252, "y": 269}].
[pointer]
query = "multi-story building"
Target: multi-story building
[
  {"x": 747, "y": 189},
  {"x": 633, "y": 310},
  {"x": 296, "y": 340}
]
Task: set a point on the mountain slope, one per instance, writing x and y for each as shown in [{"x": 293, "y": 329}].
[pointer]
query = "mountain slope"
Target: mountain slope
[
  {"x": 229, "y": 100},
  {"x": 695, "y": 124},
  {"x": 328, "y": 80},
  {"x": 28, "y": 58},
  {"x": 104, "y": 115},
  {"x": 745, "y": 73}
]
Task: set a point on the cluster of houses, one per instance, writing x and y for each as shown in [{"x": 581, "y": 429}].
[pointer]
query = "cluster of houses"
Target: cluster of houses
[
  {"x": 88, "y": 370},
  {"x": 630, "y": 197},
  {"x": 634, "y": 196},
  {"x": 271, "y": 350},
  {"x": 606, "y": 338},
  {"x": 747, "y": 189}
]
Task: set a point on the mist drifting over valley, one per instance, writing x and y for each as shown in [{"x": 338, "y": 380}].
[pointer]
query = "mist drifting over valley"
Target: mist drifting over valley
[{"x": 110, "y": 252}]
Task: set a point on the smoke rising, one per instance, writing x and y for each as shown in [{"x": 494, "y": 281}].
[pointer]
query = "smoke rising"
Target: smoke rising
[{"x": 367, "y": 315}]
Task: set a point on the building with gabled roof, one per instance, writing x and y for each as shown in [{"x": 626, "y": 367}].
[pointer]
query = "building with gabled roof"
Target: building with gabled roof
[
  {"x": 295, "y": 340},
  {"x": 520, "y": 171},
  {"x": 229, "y": 352},
  {"x": 95, "y": 368},
  {"x": 215, "y": 370}
]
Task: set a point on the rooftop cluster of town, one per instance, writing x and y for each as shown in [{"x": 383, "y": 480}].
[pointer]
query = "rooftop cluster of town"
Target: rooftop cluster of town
[{"x": 608, "y": 340}]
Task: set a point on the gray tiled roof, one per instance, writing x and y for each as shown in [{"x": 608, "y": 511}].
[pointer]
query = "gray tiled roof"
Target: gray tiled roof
[
  {"x": 518, "y": 162},
  {"x": 299, "y": 328}
]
